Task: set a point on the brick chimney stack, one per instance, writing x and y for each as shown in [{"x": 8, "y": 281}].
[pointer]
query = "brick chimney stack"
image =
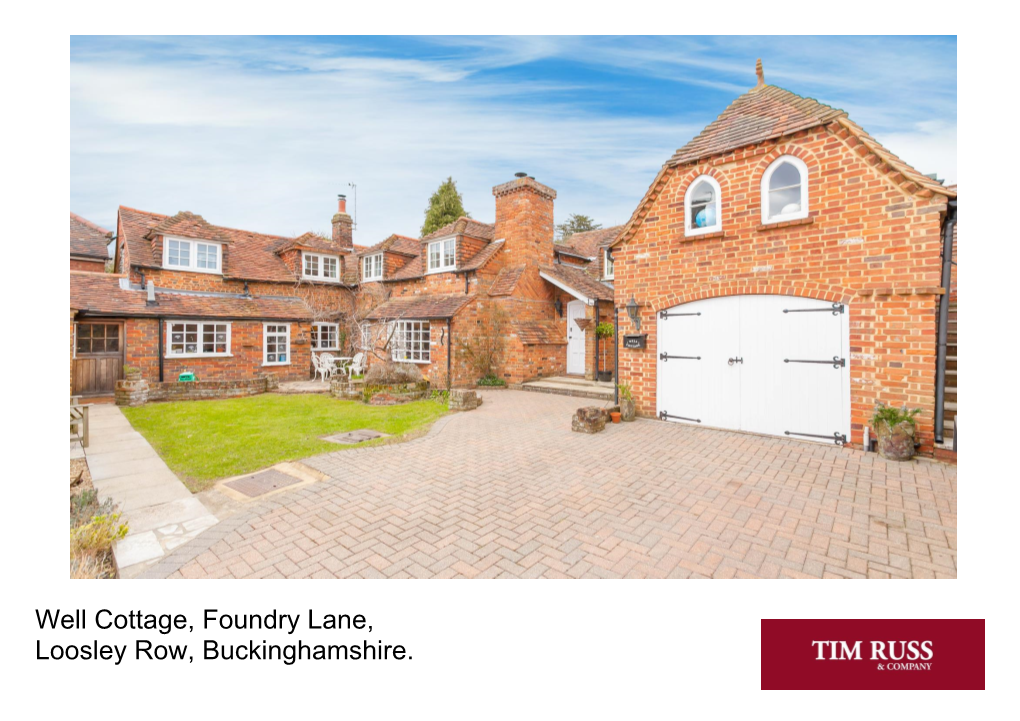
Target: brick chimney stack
[
  {"x": 524, "y": 219},
  {"x": 343, "y": 226}
]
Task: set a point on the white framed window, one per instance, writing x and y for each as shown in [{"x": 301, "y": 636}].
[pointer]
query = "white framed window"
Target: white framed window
[
  {"x": 371, "y": 267},
  {"x": 276, "y": 344},
  {"x": 367, "y": 336},
  {"x": 411, "y": 340},
  {"x": 198, "y": 256},
  {"x": 607, "y": 264},
  {"x": 703, "y": 207},
  {"x": 443, "y": 255},
  {"x": 784, "y": 190},
  {"x": 325, "y": 336},
  {"x": 197, "y": 339},
  {"x": 315, "y": 266}
]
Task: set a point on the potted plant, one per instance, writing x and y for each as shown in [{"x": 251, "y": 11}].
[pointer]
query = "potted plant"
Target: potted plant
[
  {"x": 628, "y": 409},
  {"x": 895, "y": 428},
  {"x": 603, "y": 330},
  {"x": 614, "y": 416}
]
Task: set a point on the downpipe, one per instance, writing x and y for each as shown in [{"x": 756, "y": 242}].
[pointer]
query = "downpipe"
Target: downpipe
[{"x": 940, "y": 360}]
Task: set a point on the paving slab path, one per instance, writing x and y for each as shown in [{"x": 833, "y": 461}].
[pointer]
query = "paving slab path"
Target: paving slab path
[
  {"x": 160, "y": 511},
  {"x": 509, "y": 491}
]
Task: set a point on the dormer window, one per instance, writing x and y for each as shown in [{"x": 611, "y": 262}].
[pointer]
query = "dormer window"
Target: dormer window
[
  {"x": 198, "y": 256},
  {"x": 701, "y": 207},
  {"x": 607, "y": 264},
  {"x": 372, "y": 267},
  {"x": 443, "y": 255},
  {"x": 316, "y": 266},
  {"x": 784, "y": 190}
]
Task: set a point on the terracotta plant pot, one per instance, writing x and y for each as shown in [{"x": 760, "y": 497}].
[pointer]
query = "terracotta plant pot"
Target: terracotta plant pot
[
  {"x": 615, "y": 415},
  {"x": 896, "y": 442},
  {"x": 628, "y": 410}
]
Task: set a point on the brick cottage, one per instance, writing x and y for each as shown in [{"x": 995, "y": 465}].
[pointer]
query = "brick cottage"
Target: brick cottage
[
  {"x": 225, "y": 304},
  {"x": 422, "y": 297},
  {"x": 786, "y": 272}
]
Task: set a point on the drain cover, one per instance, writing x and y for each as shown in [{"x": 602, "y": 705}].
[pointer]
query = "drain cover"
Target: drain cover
[
  {"x": 258, "y": 484},
  {"x": 352, "y": 437}
]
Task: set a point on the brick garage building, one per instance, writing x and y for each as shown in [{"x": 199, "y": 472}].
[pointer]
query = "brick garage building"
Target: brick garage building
[
  {"x": 420, "y": 297},
  {"x": 787, "y": 271},
  {"x": 226, "y": 304}
]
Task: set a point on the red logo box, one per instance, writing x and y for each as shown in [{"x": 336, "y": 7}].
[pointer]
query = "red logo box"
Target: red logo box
[{"x": 865, "y": 654}]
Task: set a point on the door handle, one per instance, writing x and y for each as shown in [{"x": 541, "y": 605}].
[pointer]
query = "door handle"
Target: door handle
[{"x": 731, "y": 361}]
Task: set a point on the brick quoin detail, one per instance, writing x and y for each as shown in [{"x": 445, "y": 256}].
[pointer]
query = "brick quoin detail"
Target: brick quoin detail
[{"x": 867, "y": 243}]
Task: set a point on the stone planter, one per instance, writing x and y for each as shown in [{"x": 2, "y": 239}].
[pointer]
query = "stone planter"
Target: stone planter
[
  {"x": 345, "y": 389},
  {"x": 589, "y": 420},
  {"x": 463, "y": 400},
  {"x": 896, "y": 442},
  {"x": 628, "y": 410},
  {"x": 133, "y": 374},
  {"x": 132, "y": 393}
]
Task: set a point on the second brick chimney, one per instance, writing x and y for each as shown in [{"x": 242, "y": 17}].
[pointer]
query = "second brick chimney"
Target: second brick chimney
[
  {"x": 524, "y": 220},
  {"x": 343, "y": 232}
]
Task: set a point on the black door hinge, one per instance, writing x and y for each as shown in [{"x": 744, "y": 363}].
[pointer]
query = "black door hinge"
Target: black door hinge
[{"x": 663, "y": 415}]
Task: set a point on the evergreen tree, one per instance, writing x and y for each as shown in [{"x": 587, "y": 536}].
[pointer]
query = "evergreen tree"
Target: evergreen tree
[
  {"x": 576, "y": 223},
  {"x": 445, "y": 206}
]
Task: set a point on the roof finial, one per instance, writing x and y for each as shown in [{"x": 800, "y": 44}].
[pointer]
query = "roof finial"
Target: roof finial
[{"x": 760, "y": 72}]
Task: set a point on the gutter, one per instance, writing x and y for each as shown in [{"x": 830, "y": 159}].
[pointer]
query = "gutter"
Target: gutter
[
  {"x": 161, "y": 328},
  {"x": 940, "y": 359}
]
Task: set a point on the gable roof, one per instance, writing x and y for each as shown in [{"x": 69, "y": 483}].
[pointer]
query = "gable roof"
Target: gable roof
[
  {"x": 248, "y": 256},
  {"x": 311, "y": 241},
  {"x": 187, "y": 225},
  {"x": 588, "y": 243},
  {"x": 88, "y": 239},
  {"x": 464, "y": 226},
  {"x": 425, "y": 307},
  {"x": 399, "y": 244},
  {"x": 765, "y": 113},
  {"x": 105, "y": 294},
  {"x": 577, "y": 281},
  {"x": 506, "y": 281}
]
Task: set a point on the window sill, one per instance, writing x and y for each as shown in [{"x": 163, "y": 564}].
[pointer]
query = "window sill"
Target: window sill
[
  {"x": 371, "y": 280},
  {"x": 714, "y": 235},
  {"x": 276, "y": 364},
  {"x": 320, "y": 280},
  {"x": 186, "y": 269},
  {"x": 776, "y": 224},
  {"x": 198, "y": 355},
  {"x": 451, "y": 269},
  {"x": 419, "y": 362}
]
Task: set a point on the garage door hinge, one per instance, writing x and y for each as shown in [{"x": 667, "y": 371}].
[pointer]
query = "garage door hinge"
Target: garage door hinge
[
  {"x": 663, "y": 415},
  {"x": 836, "y": 361},
  {"x": 663, "y": 357},
  {"x": 838, "y": 438},
  {"x": 665, "y": 314},
  {"x": 836, "y": 309}
]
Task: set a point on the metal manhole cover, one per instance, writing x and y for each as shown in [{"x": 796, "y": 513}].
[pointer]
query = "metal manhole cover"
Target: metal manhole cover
[
  {"x": 258, "y": 484},
  {"x": 352, "y": 437}
]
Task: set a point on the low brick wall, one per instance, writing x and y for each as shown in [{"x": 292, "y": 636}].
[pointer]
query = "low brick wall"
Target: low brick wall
[{"x": 203, "y": 390}]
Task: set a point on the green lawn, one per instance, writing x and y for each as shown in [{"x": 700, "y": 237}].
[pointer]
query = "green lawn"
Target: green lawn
[{"x": 202, "y": 441}]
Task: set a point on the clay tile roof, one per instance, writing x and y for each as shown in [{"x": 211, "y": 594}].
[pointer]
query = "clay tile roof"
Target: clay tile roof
[
  {"x": 587, "y": 244},
  {"x": 311, "y": 241},
  {"x": 414, "y": 268},
  {"x": 88, "y": 239},
  {"x": 399, "y": 244},
  {"x": 188, "y": 225},
  {"x": 506, "y": 281},
  {"x": 104, "y": 294},
  {"x": 578, "y": 281},
  {"x": 248, "y": 256},
  {"x": 758, "y": 115},
  {"x": 482, "y": 257},
  {"x": 465, "y": 226},
  {"x": 420, "y": 307},
  {"x": 537, "y": 332}
]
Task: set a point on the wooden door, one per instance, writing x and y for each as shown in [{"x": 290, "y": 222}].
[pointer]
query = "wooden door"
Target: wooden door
[
  {"x": 575, "y": 338},
  {"x": 98, "y": 358}
]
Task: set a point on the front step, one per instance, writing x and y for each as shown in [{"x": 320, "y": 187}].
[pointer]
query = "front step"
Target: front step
[{"x": 565, "y": 386}]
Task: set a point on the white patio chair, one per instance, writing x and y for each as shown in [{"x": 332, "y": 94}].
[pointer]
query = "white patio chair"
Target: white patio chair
[
  {"x": 320, "y": 367},
  {"x": 328, "y": 363},
  {"x": 356, "y": 366}
]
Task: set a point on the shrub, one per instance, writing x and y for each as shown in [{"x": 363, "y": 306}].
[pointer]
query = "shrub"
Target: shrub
[
  {"x": 604, "y": 330},
  {"x": 625, "y": 393},
  {"x": 484, "y": 350},
  {"x": 97, "y": 536},
  {"x": 491, "y": 380},
  {"x": 387, "y": 373},
  {"x": 893, "y": 416}
]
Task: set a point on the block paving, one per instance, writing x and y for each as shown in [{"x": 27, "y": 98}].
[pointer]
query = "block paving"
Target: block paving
[{"x": 508, "y": 491}]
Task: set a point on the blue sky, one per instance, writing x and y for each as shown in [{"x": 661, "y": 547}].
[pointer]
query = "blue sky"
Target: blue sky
[{"x": 262, "y": 133}]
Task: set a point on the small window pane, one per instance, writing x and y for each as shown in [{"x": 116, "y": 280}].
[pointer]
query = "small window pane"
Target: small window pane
[
  {"x": 785, "y": 176},
  {"x": 782, "y": 202},
  {"x": 704, "y": 210}
]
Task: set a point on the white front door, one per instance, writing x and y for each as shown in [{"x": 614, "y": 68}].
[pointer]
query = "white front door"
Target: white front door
[
  {"x": 575, "y": 338},
  {"x": 769, "y": 364}
]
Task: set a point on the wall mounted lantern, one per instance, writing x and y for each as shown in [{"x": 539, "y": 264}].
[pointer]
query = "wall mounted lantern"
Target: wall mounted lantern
[
  {"x": 632, "y": 311},
  {"x": 559, "y": 307}
]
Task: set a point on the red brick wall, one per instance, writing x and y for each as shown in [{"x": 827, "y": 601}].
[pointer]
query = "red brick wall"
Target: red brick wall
[
  {"x": 246, "y": 343},
  {"x": 524, "y": 219},
  {"x": 867, "y": 243},
  {"x": 93, "y": 266}
]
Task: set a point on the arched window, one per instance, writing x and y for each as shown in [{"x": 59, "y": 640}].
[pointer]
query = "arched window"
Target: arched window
[
  {"x": 784, "y": 190},
  {"x": 702, "y": 209}
]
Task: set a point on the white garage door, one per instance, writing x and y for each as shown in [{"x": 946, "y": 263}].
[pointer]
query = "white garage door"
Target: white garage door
[{"x": 771, "y": 364}]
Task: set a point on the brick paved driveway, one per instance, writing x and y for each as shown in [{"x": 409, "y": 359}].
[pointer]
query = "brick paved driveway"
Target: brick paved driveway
[{"x": 509, "y": 491}]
